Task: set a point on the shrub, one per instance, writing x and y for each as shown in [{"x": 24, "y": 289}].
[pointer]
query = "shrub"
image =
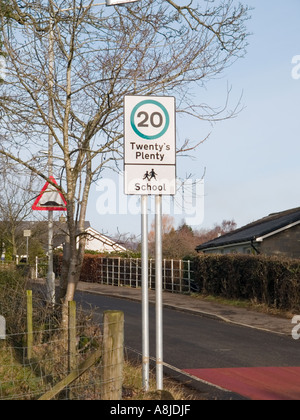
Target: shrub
[
  {"x": 12, "y": 299},
  {"x": 269, "y": 280}
]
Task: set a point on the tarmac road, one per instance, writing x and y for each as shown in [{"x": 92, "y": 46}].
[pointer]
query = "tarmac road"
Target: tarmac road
[
  {"x": 193, "y": 341},
  {"x": 204, "y": 347}
]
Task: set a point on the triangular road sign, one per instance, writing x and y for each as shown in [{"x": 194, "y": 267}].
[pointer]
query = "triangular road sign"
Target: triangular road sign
[{"x": 50, "y": 198}]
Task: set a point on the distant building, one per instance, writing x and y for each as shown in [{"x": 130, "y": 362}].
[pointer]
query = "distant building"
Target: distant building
[
  {"x": 276, "y": 234},
  {"x": 95, "y": 241}
]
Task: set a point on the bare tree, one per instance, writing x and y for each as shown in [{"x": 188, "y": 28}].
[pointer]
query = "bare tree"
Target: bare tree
[
  {"x": 17, "y": 191},
  {"x": 206, "y": 235},
  {"x": 100, "y": 55}
]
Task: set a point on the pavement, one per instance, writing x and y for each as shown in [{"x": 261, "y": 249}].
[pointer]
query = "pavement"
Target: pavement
[{"x": 230, "y": 314}]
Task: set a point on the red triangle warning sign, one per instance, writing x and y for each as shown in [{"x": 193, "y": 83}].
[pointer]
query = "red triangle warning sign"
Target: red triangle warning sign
[{"x": 50, "y": 198}]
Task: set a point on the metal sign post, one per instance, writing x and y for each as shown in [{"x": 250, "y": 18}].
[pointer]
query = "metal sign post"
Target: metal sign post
[
  {"x": 150, "y": 169},
  {"x": 158, "y": 292},
  {"x": 145, "y": 294}
]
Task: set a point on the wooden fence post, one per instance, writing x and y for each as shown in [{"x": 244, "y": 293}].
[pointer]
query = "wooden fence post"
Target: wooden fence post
[
  {"x": 29, "y": 325},
  {"x": 2, "y": 328},
  {"x": 112, "y": 355},
  {"x": 72, "y": 354}
]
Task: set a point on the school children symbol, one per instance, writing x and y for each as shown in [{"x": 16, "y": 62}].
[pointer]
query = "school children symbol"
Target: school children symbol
[{"x": 150, "y": 175}]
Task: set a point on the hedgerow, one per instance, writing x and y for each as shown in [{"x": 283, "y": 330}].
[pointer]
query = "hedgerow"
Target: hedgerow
[{"x": 269, "y": 280}]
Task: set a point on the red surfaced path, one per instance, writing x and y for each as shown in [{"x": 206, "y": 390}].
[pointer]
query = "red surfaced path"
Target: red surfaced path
[{"x": 262, "y": 383}]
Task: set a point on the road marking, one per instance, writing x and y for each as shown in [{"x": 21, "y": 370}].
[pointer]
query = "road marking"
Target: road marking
[{"x": 259, "y": 383}]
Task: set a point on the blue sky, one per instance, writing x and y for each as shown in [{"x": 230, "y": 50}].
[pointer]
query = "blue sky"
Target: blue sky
[{"x": 252, "y": 161}]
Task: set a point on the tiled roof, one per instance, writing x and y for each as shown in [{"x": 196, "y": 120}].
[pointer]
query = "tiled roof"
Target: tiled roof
[{"x": 251, "y": 232}]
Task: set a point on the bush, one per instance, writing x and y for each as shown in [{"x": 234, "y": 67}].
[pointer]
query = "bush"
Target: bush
[
  {"x": 269, "y": 280},
  {"x": 12, "y": 299}
]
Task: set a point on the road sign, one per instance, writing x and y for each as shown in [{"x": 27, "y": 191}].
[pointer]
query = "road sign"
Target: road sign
[
  {"x": 149, "y": 145},
  {"x": 150, "y": 169},
  {"x": 50, "y": 198},
  {"x": 150, "y": 180}
]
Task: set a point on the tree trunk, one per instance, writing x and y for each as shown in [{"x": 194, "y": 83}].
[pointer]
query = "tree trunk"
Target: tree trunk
[{"x": 65, "y": 268}]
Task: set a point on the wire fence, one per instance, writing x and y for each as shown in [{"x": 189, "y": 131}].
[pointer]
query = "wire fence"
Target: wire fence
[
  {"x": 41, "y": 359},
  {"x": 178, "y": 275}
]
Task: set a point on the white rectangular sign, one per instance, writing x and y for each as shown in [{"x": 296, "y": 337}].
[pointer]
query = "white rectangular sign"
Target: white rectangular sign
[
  {"x": 149, "y": 130},
  {"x": 149, "y": 145},
  {"x": 150, "y": 180}
]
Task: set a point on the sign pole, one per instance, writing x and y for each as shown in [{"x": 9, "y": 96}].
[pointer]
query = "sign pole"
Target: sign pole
[
  {"x": 27, "y": 250},
  {"x": 158, "y": 291},
  {"x": 50, "y": 276},
  {"x": 145, "y": 294}
]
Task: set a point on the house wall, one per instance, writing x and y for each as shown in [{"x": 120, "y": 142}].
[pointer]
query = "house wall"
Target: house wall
[
  {"x": 96, "y": 245},
  {"x": 286, "y": 243},
  {"x": 233, "y": 249}
]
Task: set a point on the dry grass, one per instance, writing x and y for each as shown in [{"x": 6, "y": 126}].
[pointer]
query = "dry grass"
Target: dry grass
[
  {"x": 173, "y": 390},
  {"x": 19, "y": 382},
  {"x": 247, "y": 304}
]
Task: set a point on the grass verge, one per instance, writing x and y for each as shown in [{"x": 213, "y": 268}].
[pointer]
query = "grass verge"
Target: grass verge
[
  {"x": 19, "y": 382},
  {"x": 173, "y": 390},
  {"x": 246, "y": 304}
]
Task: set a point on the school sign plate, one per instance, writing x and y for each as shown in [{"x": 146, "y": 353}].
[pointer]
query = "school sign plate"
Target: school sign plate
[{"x": 149, "y": 145}]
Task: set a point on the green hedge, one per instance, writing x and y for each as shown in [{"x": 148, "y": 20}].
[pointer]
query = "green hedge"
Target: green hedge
[
  {"x": 269, "y": 280},
  {"x": 91, "y": 267}
]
